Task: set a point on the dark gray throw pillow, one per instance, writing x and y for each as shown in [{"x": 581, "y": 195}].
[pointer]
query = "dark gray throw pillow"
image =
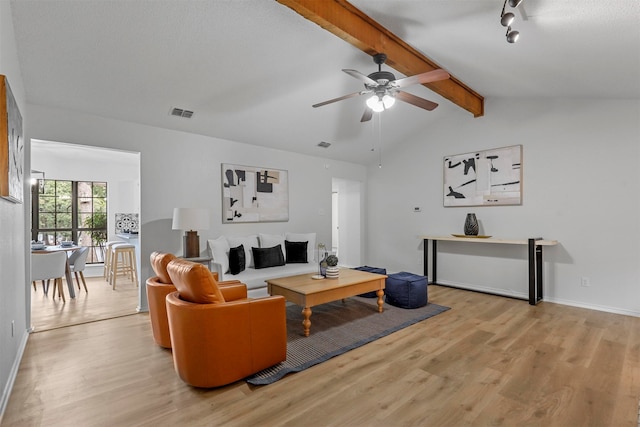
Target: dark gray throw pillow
[
  {"x": 237, "y": 260},
  {"x": 296, "y": 252},
  {"x": 268, "y": 257}
]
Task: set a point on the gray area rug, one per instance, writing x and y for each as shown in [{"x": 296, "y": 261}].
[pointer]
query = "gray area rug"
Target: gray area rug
[{"x": 336, "y": 328}]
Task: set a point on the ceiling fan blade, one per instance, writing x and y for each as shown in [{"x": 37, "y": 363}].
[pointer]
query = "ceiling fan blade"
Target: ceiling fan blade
[
  {"x": 368, "y": 113},
  {"x": 428, "y": 77},
  {"x": 416, "y": 100},
  {"x": 358, "y": 75},
  {"x": 351, "y": 95}
]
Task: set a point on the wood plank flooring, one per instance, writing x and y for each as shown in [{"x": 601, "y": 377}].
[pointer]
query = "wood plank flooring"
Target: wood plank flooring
[
  {"x": 99, "y": 303},
  {"x": 489, "y": 361}
]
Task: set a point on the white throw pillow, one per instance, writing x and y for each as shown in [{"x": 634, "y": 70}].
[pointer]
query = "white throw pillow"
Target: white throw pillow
[
  {"x": 271, "y": 240},
  {"x": 219, "y": 249},
  {"x": 248, "y": 242},
  {"x": 305, "y": 237}
]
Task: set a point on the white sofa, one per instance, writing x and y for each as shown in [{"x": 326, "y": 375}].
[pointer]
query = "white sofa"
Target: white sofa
[{"x": 255, "y": 279}]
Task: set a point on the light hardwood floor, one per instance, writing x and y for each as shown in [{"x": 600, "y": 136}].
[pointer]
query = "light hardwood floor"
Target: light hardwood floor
[
  {"x": 489, "y": 361},
  {"x": 99, "y": 303}
]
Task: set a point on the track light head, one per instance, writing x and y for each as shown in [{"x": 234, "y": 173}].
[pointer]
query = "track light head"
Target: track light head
[
  {"x": 507, "y": 19},
  {"x": 514, "y": 3},
  {"x": 512, "y": 36}
]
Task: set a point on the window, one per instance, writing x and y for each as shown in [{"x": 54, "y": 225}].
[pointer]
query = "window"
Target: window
[{"x": 71, "y": 210}]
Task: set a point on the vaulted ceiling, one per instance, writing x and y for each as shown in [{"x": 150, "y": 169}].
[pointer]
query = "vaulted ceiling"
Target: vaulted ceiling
[{"x": 251, "y": 69}]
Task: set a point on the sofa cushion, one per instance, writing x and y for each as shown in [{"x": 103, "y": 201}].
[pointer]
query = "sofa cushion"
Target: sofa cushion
[
  {"x": 304, "y": 237},
  {"x": 296, "y": 251},
  {"x": 237, "y": 260},
  {"x": 248, "y": 242},
  {"x": 271, "y": 240},
  {"x": 159, "y": 262},
  {"x": 220, "y": 252},
  {"x": 194, "y": 282},
  {"x": 268, "y": 257}
]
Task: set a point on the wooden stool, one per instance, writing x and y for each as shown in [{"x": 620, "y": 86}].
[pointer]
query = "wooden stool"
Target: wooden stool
[
  {"x": 123, "y": 261},
  {"x": 107, "y": 259}
]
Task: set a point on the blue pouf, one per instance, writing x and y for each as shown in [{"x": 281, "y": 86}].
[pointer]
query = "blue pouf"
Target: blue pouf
[
  {"x": 406, "y": 290},
  {"x": 368, "y": 269}
]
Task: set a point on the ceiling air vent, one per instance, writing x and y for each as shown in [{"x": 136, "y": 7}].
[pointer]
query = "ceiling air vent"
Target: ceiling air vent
[
  {"x": 179, "y": 112},
  {"x": 324, "y": 144}
]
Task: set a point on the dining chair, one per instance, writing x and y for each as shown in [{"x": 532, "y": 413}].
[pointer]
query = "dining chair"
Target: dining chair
[
  {"x": 50, "y": 266},
  {"x": 77, "y": 262}
]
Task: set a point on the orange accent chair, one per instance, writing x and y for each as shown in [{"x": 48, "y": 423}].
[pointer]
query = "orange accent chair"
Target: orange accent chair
[
  {"x": 217, "y": 334},
  {"x": 158, "y": 287}
]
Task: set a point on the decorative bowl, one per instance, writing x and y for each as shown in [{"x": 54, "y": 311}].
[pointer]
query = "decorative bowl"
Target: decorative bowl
[
  {"x": 66, "y": 244},
  {"x": 37, "y": 246}
]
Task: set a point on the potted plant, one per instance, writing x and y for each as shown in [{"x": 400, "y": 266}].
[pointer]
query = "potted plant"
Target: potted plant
[{"x": 332, "y": 267}]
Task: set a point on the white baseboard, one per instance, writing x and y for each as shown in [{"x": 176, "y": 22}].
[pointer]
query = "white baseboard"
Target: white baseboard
[
  {"x": 486, "y": 289},
  {"x": 6, "y": 393},
  {"x": 525, "y": 296},
  {"x": 597, "y": 307}
]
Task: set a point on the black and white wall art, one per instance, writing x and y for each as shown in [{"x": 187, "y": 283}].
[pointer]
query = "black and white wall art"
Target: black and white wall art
[
  {"x": 254, "y": 194},
  {"x": 127, "y": 223},
  {"x": 484, "y": 178}
]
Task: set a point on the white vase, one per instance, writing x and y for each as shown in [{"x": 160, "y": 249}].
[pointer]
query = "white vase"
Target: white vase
[{"x": 333, "y": 272}]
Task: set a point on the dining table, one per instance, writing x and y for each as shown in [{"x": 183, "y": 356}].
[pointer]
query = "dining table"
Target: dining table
[{"x": 67, "y": 270}]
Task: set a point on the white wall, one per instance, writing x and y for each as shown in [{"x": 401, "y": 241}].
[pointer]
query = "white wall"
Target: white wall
[
  {"x": 581, "y": 187},
  {"x": 13, "y": 235},
  {"x": 183, "y": 170}
]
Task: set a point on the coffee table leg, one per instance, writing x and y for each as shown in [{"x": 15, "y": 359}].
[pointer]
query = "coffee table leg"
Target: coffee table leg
[
  {"x": 380, "y": 294},
  {"x": 306, "y": 323}
]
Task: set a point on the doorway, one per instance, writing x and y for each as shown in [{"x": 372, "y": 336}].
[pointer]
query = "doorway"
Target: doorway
[
  {"x": 346, "y": 221},
  {"x": 120, "y": 170}
]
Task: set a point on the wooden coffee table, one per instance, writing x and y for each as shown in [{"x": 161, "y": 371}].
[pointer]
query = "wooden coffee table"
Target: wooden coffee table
[{"x": 307, "y": 292}]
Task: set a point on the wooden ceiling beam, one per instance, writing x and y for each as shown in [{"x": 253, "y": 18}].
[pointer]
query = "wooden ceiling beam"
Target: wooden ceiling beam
[{"x": 352, "y": 25}]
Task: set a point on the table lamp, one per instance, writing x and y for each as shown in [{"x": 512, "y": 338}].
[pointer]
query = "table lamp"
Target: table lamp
[{"x": 189, "y": 220}]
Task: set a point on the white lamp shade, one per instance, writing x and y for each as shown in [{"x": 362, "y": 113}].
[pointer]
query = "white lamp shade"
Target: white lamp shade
[{"x": 190, "y": 219}]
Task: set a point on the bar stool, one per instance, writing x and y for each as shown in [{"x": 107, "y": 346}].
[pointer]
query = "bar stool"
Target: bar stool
[
  {"x": 106, "y": 273},
  {"x": 123, "y": 261}
]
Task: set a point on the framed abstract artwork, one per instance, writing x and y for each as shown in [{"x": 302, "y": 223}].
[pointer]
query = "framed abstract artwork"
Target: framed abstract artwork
[
  {"x": 484, "y": 178},
  {"x": 11, "y": 145},
  {"x": 254, "y": 194}
]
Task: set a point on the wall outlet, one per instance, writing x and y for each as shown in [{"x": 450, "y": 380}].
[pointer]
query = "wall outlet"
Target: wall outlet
[{"x": 584, "y": 281}]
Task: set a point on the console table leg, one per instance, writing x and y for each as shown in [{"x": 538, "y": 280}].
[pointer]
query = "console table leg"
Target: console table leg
[
  {"x": 434, "y": 261},
  {"x": 539, "y": 273},
  {"x": 425, "y": 256},
  {"x": 532, "y": 271}
]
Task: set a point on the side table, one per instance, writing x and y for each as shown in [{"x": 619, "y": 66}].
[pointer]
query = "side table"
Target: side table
[{"x": 202, "y": 260}]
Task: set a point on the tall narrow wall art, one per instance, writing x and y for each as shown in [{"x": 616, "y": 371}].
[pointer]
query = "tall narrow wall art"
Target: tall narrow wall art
[
  {"x": 254, "y": 194},
  {"x": 11, "y": 145},
  {"x": 484, "y": 178}
]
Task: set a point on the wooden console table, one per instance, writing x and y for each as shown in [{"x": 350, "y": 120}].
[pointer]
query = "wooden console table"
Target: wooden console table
[{"x": 535, "y": 258}]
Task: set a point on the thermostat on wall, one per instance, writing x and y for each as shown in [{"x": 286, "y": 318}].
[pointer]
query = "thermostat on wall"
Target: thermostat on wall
[{"x": 417, "y": 209}]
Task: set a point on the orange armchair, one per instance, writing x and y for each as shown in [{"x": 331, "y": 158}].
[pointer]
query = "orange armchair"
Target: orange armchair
[
  {"x": 217, "y": 334},
  {"x": 158, "y": 287}
]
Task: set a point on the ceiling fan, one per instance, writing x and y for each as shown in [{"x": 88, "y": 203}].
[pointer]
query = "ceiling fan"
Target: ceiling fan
[{"x": 385, "y": 89}]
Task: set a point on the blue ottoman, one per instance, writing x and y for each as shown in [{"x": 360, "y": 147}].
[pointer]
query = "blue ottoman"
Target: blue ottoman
[
  {"x": 406, "y": 290},
  {"x": 376, "y": 270}
]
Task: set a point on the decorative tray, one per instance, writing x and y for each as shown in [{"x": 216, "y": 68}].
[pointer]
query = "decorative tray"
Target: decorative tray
[{"x": 471, "y": 237}]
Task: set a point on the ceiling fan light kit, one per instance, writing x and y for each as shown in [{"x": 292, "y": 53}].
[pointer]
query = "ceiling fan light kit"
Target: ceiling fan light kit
[
  {"x": 383, "y": 88},
  {"x": 379, "y": 104},
  {"x": 506, "y": 19}
]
